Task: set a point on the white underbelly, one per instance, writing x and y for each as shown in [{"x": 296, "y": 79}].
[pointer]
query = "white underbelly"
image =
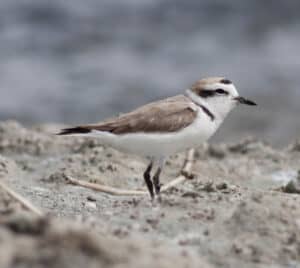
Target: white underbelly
[{"x": 160, "y": 144}]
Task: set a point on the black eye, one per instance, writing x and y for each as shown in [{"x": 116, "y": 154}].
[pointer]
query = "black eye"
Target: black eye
[{"x": 221, "y": 91}]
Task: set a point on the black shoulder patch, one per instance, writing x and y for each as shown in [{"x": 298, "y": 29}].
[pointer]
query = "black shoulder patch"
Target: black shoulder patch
[{"x": 208, "y": 112}]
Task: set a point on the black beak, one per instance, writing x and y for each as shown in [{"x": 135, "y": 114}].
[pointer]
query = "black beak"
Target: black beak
[{"x": 245, "y": 101}]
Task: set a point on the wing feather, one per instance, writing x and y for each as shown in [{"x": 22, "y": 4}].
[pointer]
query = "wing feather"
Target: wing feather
[{"x": 168, "y": 115}]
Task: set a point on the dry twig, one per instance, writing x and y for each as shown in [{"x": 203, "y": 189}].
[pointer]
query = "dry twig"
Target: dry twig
[
  {"x": 24, "y": 202},
  {"x": 103, "y": 188},
  {"x": 184, "y": 175}
]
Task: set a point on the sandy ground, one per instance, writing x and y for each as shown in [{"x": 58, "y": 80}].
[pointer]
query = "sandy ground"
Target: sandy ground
[{"x": 234, "y": 213}]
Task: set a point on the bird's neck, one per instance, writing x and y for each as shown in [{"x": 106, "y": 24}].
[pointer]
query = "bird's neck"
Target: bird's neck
[
  {"x": 216, "y": 109},
  {"x": 202, "y": 103}
]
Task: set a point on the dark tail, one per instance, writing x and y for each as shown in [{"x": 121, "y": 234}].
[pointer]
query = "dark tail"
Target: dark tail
[{"x": 74, "y": 130}]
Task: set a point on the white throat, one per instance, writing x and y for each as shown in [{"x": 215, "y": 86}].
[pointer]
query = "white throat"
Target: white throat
[{"x": 216, "y": 106}]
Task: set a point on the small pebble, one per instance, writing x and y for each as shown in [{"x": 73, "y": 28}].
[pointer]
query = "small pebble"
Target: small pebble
[
  {"x": 222, "y": 186},
  {"x": 91, "y": 205},
  {"x": 91, "y": 198}
]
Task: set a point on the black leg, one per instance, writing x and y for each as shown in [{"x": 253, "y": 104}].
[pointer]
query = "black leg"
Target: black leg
[
  {"x": 147, "y": 178},
  {"x": 156, "y": 181}
]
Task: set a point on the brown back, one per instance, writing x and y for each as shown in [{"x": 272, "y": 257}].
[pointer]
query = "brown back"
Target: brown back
[{"x": 168, "y": 115}]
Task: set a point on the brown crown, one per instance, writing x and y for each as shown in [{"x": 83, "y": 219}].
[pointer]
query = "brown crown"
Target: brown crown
[{"x": 201, "y": 84}]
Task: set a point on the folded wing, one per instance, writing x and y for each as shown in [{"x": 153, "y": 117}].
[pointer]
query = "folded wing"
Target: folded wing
[{"x": 168, "y": 115}]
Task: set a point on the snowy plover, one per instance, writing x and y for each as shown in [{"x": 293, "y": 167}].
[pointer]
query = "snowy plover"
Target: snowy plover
[{"x": 167, "y": 126}]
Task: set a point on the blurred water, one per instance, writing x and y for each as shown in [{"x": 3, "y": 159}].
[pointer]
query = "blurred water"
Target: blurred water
[{"x": 81, "y": 61}]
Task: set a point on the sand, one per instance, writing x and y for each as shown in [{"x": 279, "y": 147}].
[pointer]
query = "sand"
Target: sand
[{"x": 241, "y": 209}]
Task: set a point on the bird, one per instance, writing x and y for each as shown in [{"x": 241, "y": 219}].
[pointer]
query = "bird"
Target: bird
[{"x": 167, "y": 126}]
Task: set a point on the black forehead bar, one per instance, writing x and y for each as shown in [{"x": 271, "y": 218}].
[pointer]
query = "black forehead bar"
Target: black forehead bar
[
  {"x": 204, "y": 93},
  {"x": 226, "y": 81}
]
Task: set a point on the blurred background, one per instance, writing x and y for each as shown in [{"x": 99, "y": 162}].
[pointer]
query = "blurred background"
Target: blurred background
[{"x": 81, "y": 61}]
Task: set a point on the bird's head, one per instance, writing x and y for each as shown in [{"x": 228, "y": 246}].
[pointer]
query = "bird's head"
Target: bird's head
[{"x": 218, "y": 93}]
